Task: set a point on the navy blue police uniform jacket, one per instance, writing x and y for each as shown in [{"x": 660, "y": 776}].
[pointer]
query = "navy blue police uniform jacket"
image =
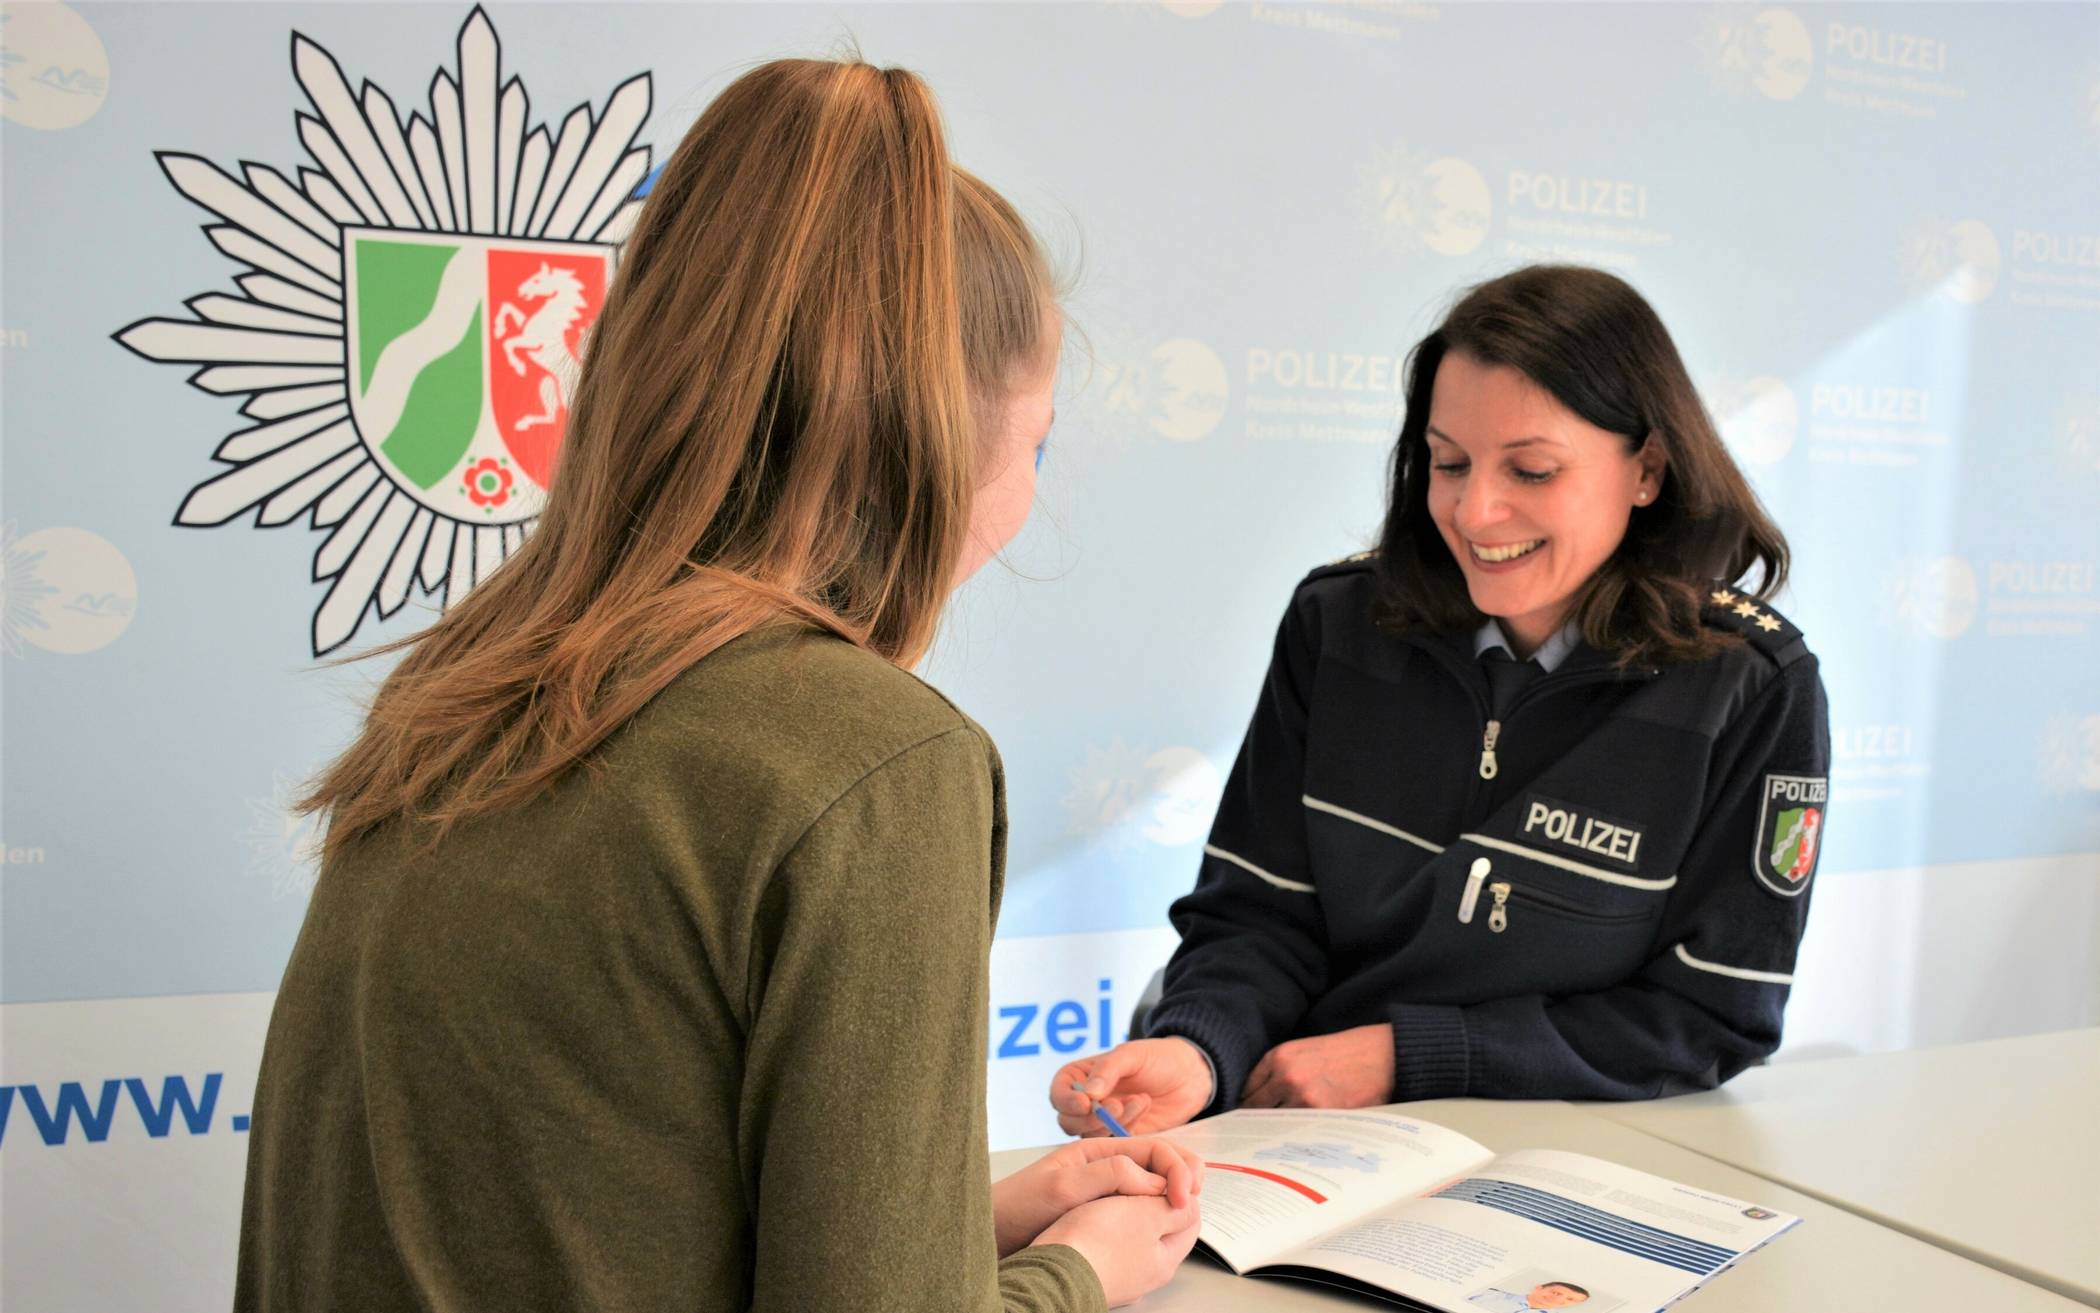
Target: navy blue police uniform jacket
[{"x": 1598, "y": 896}]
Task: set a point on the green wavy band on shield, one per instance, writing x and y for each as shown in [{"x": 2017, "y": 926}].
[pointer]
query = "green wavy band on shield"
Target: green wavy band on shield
[
  {"x": 401, "y": 288},
  {"x": 1791, "y": 830}
]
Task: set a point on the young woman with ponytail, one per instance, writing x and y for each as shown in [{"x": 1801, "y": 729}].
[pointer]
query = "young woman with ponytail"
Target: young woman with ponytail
[{"x": 647, "y": 963}]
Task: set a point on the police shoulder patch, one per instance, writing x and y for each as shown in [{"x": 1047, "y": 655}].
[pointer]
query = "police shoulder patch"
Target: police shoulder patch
[
  {"x": 1762, "y": 627},
  {"x": 1789, "y": 832}
]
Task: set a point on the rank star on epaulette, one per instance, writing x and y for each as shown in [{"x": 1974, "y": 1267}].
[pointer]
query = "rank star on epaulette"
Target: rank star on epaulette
[
  {"x": 1769, "y": 623},
  {"x": 1746, "y": 610},
  {"x": 1722, "y": 598}
]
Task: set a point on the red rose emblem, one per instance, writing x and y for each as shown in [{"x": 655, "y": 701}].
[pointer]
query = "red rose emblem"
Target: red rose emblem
[{"x": 488, "y": 483}]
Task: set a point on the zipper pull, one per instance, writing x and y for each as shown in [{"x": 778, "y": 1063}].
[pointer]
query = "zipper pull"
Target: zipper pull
[
  {"x": 1466, "y": 900},
  {"x": 1487, "y": 750},
  {"x": 1498, "y": 915}
]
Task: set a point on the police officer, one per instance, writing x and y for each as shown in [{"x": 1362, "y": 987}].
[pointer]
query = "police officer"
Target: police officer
[
  {"x": 1546, "y": 1294},
  {"x": 1530, "y": 804}
]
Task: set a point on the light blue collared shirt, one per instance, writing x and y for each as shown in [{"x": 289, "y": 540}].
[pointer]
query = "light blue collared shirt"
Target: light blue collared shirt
[
  {"x": 1550, "y": 654},
  {"x": 1501, "y": 1301}
]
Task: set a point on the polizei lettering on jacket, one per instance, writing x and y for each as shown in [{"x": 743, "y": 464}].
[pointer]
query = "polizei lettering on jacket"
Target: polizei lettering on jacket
[
  {"x": 1574, "y": 828},
  {"x": 1794, "y": 789}
]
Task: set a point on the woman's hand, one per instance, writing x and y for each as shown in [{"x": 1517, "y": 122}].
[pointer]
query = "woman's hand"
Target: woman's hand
[
  {"x": 1348, "y": 1069},
  {"x": 1134, "y": 1245},
  {"x": 1032, "y": 1199},
  {"x": 1146, "y": 1084}
]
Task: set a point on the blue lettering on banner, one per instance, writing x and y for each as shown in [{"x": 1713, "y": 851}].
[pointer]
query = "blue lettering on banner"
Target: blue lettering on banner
[
  {"x": 56, "y": 1116},
  {"x": 1066, "y": 1018},
  {"x": 57, "y": 1126},
  {"x": 174, "y": 1092},
  {"x": 1064, "y": 1026},
  {"x": 1012, "y": 1046}
]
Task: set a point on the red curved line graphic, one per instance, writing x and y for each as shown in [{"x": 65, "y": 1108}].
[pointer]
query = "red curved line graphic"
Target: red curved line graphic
[{"x": 1305, "y": 1190}]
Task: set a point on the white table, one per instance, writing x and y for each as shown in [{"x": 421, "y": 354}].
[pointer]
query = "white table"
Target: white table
[
  {"x": 1832, "y": 1261},
  {"x": 1990, "y": 1150}
]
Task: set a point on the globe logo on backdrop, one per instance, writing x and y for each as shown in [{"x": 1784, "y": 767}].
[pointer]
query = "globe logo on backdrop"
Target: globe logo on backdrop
[
  {"x": 1760, "y": 418},
  {"x": 1936, "y": 598},
  {"x": 1184, "y": 788},
  {"x": 1442, "y": 204},
  {"x": 2070, "y": 753},
  {"x": 284, "y": 844},
  {"x": 65, "y": 590},
  {"x": 1958, "y": 260},
  {"x": 1976, "y": 261},
  {"x": 409, "y": 331},
  {"x": 1132, "y": 797},
  {"x": 1770, "y": 52},
  {"x": 54, "y": 73},
  {"x": 1192, "y": 389},
  {"x": 1175, "y": 389},
  {"x": 2078, "y": 434},
  {"x": 2089, "y": 764}
]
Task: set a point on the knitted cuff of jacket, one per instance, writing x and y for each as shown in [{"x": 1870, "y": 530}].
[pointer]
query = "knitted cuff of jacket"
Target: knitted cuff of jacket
[
  {"x": 1431, "y": 1055},
  {"x": 1221, "y": 1042}
]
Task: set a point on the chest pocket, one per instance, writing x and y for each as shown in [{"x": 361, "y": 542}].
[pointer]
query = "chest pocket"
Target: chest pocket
[
  {"x": 1373, "y": 893},
  {"x": 1562, "y": 925}
]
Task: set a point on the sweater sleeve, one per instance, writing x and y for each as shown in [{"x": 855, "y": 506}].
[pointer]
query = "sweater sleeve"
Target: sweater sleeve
[
  {"x": 862, "y": 1113},
  {"x": 1253, "y": 950},
  {"x": 1710, "y": 1000}
]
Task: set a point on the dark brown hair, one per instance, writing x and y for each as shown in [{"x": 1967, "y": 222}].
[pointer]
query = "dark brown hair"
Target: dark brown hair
[
  {"x": 781, "y": 417},
  {"x": 1591, "y": 341}
]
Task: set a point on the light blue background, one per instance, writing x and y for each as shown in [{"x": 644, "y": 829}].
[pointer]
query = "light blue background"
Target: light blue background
[{"x": 1207, "y": 175}]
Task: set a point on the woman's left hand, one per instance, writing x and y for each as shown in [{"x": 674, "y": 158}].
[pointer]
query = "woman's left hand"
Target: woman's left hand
[
  {"x": 1348, "y": 1069},
  {"x": 1026, "y": 1203}
]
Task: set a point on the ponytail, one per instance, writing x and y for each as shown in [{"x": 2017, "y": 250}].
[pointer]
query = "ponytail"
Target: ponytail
[{"x": 777, "y": 422}]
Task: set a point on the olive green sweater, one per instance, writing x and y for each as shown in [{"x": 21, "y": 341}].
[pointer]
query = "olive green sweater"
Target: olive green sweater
[{"x": 703, "y": 1028}]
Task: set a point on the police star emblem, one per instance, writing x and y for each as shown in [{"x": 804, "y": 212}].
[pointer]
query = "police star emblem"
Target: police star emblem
[
  {"x": 1789, "y": 832},
  {"x": 408, "y": 326}
]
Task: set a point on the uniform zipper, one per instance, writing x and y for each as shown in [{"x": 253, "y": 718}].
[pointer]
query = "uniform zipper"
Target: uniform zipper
[
  {"x": 1468, "y": 675},
  {"x": 1545, "y": 685},
  {"x": 1502, "y": 891}
]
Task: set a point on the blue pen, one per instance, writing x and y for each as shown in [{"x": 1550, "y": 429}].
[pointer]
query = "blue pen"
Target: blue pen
[{"x": 1114, "y": 1127}]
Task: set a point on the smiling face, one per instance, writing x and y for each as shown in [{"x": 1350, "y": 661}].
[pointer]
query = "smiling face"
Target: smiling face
[
  {"x": 1555, "y": 1295},
  {"x": 1529, "y": 497}
]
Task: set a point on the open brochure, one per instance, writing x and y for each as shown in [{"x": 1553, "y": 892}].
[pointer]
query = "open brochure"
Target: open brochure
[{"x": 1392, "y": 1206}]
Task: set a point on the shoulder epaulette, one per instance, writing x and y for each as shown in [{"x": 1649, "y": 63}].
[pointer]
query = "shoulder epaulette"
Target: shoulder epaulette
[
  {"x": 1358, "y": 563},
  {"x": 1771, "y": 633}
]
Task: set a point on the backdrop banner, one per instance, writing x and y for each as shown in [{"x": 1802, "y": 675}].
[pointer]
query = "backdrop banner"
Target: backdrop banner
[{"x": 294, "y": 295}]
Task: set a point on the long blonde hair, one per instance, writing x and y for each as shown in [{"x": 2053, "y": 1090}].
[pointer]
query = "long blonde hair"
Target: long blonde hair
[{"x": 781, "y": 416}]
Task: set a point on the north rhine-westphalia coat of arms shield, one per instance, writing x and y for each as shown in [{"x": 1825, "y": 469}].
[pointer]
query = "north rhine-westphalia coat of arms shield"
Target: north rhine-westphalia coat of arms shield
[
  {"x": 1790, "y": 832},
  {"x": 410, "y": 322}
]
